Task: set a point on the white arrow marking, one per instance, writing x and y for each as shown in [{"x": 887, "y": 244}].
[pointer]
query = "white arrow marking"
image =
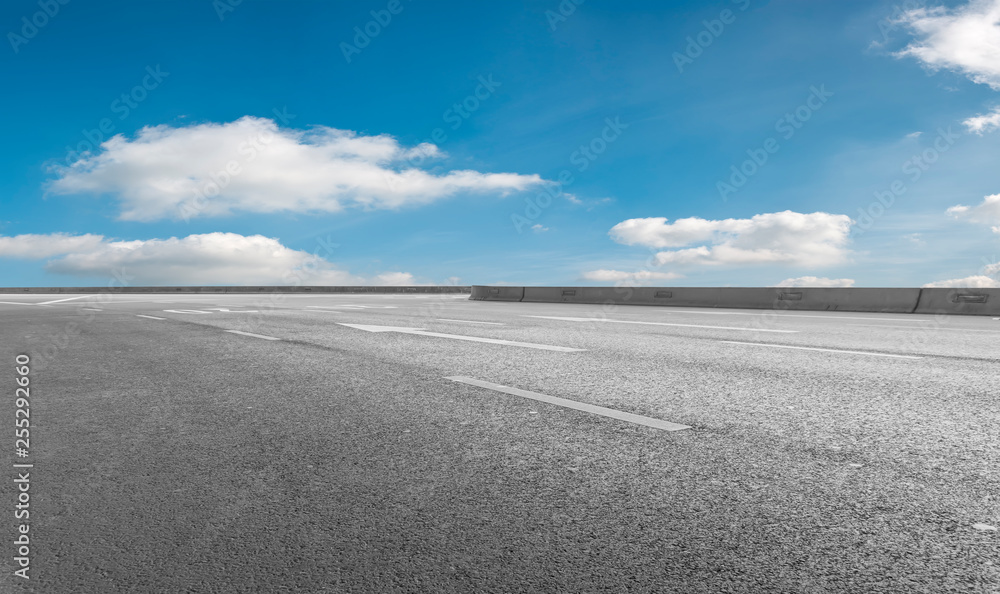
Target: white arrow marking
[
  {"x": 422, "y": 332},
  {"x": 66, "y": 299},
  {"x": 662, "y": 324}
]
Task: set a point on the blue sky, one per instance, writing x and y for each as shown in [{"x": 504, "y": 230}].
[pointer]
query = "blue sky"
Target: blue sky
[{"x": 541, "y": 143}]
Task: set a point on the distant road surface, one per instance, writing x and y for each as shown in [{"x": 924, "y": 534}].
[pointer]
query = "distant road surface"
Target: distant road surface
[{"x": 428, "y": 443}]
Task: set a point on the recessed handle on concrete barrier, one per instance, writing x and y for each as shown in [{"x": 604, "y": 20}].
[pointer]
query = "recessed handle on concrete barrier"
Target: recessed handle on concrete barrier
[
  {"x": 569, "y": 293},
  {"x": 663, "y": 295},
  {"x": 790, "y": 296},
  {"x": 969, "y": 298}
]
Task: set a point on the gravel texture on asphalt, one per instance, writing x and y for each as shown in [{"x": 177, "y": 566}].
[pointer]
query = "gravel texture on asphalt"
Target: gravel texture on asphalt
[{"x": 173, "y": 456}]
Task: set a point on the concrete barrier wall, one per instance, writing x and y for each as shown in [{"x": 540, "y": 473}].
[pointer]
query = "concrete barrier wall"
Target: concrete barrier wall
[
  {"x": 480, "y": 293},
  {"x": 376, "y": 290},
  {"x": 894, "y": 300},
  {"x": 881, "y": 300},
  {"x": 981, "y": 302},
  {"x": 877, "y": 300}
]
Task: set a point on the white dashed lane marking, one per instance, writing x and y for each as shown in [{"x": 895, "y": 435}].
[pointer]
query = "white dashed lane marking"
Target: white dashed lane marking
[
  {"x": 470, "y": 322},
  {"x": 782, "y": 346},
  {"x": 252, "y": 334},
  {"x": 605, "y": 320},
  {"x": 150, "y": 317},
  {"x": 771, "y": 312},
  {"x": 422, "y": 332},
  {"x": 590, "y": 408}
]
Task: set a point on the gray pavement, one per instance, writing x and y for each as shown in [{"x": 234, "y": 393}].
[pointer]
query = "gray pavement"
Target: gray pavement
[{"x": 172, "y": 455}]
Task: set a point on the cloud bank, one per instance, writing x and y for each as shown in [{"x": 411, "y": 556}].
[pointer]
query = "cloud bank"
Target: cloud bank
[
  {"x": 782, "y": 238},
  {"x": 813, "y": 281},
  {"x": 622, "y": 277},
  {"x": 32, "y": 247},
  {"x": 207, "y": 259},
  {"x": 251, "y": 165},
  {"x": 983, "y": 123},
  {"x": 987, "y": 212},
  {"x": 969, "y": 282},
  {"x": 964, "y": 39}
]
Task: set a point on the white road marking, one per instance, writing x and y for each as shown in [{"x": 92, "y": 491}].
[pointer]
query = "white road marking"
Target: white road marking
[
  {"x": 353, "y": 306},
  {"x": 470, "y": 321},
  {"x": 830, "y": 317},
  {"x": 66, "y": 299},
  {"x": 185, "y": 311},
  {"x": 228, "y": 311},
  {"x": 590, "y": 408},
  {"x": 91, "y": 309},
  {"x": 150, "y": 317},
  {"x": 253, "y": 335},
  {"x": 323, "y": 311},
  {"x": 781, "y": 346},
  {"x": 921, "y": 328},
  {"x": 17, "y": 303},
  {"x": 662, "y": 324},
  {"x": 115, "y": 301},
  {"x": 422, "y": 332}
]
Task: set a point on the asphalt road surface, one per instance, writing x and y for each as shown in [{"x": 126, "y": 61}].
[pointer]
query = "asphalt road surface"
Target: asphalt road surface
[{"x": 360, "y": 443}]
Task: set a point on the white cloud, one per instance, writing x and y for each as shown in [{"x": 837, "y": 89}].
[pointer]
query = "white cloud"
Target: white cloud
[
  {"x": 401, "y": 279},
  {"x": 788, "y": 238},
  {"x": 970, "y": 282},
  {"x": 539, "y": 228},
  {"x": 813, "y": 281},
  {"x": 913, "y": 135},
  {"x": 208, "y": 259},
  {"x": 622, "y": 277},
  {"x": 984, "y": 123},
  {"x": 32, "y": 247},
  {"x": 251, "y": 165},
  {"x": 988, "y": 212},
  {"x": 965, "y": 39}
]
